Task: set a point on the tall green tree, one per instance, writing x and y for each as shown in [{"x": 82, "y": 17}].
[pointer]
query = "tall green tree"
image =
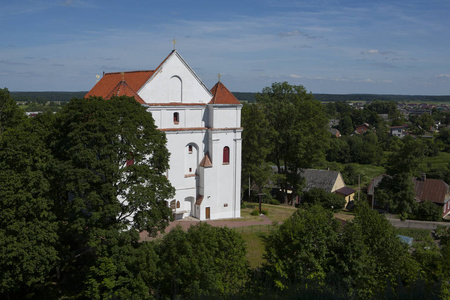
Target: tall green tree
[
  {"x": 11, "y": 115},
  {"x": 256, "y": 146},
  {"x": 204, "y": 261},
  {"x": 396, "y": 191},
  {"x": 301, "y": 249},
  {"x": 370, "y": 257},
  {"x": 301, "y": 131},
  {"x": 109, "y": 178},
  {"x": 28, "y": 225}
]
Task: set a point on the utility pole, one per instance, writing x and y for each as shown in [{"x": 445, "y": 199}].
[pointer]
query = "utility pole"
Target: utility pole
[
  {"x": 359, "y": 185},
  {"x": 249, "y": 188}
]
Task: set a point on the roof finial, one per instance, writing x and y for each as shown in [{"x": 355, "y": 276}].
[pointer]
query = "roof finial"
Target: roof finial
[
  {"x": 174, "y": 42},
  {"x": 123, "y": 76},
  {"x": 219, "y": 75}
]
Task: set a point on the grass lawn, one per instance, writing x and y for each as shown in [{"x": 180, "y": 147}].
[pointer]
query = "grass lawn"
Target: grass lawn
[
  {"x": 277, "y": 213},
  {"x": 254, "y": 235},
  {"x": 437, "y": 161},
  {"x": 255, "y": 247}
]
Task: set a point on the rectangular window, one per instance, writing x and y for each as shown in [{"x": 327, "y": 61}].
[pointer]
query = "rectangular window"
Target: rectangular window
[
  {"x": 190, "y": 149},
  {"x": 176, "y": 118}
]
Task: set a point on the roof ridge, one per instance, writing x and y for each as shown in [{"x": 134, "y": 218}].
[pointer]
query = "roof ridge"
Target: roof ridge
[{"x": 135, "y": 71}]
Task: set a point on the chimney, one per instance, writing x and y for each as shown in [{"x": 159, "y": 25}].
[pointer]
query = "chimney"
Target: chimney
[{"x": 424, "y": 177}]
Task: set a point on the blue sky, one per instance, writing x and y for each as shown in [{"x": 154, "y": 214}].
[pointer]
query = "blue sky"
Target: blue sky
[{"x": 328, "y": 46}]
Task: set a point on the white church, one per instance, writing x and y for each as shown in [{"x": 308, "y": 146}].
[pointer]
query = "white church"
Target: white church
[{"x": 203, "y": 130}]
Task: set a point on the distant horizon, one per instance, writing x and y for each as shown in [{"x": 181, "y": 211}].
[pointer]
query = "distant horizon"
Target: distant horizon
[{"x": 343, "y": 94}]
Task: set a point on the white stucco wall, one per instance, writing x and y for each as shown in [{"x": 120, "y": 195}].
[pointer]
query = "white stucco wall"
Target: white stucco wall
[
  {"x": 175, "y": 82},
  {"x": 224, "y": 116},
  {"x": 189, "y": 116}
]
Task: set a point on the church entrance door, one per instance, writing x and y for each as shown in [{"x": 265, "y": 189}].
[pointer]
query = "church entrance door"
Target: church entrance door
[{"x": 208, "y": 213}]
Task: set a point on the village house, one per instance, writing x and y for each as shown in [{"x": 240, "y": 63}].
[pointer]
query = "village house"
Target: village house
[
  {"x": 434, "y": 190},
  {"x": 203, "y": 131},
  {"x": 398, "y": 131},
  {"x": 425, "y": 189},
  {"x": 329, "y": 181}
]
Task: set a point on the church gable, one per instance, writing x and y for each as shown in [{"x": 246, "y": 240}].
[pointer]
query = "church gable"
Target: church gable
[{"x": 174, "y": 82}]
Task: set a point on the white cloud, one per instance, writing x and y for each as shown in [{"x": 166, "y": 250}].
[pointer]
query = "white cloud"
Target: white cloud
[
  {"x": 295, "y": 76},
  {"x": 373, "y": 51},
  {"x": 443, "y": 76},
  {"x": 290, "y": 33}
]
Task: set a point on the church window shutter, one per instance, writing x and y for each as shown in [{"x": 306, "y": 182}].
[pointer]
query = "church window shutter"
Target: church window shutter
[{"x": 226, "y": 155}]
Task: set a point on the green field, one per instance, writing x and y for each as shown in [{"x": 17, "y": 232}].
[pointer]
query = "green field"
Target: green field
[{"x": 443, "y": 159}]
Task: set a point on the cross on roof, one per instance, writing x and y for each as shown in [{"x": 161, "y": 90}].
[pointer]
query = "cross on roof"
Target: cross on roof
[
  {"x": 219, "y": 75},
  {"x": 174, "y": 42}
]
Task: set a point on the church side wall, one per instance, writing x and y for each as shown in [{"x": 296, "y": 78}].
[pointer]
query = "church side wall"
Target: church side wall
[
  {"x": 223, "y": 185},
  {"x": 183, "y": 171}
]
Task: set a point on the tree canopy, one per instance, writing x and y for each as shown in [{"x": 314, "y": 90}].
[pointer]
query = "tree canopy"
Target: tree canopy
[{"x": 300, "y": 127}]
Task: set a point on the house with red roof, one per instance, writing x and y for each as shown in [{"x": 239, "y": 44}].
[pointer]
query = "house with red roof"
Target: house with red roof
[
  {"x": 203, "y": 131},
  {"x": 434, "y": 190}
]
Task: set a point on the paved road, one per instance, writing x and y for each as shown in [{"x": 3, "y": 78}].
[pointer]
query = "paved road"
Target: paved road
[{"x": 415, "y": 224}]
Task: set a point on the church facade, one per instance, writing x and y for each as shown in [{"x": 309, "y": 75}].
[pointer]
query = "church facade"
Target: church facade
[{"x": 203, "y": 130}]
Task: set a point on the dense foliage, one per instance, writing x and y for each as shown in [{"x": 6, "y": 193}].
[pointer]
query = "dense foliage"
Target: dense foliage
[
  {"x": 72, "y": 206},
  {"x": 300, "y": 134},
  {"x": 329, "y": 201}
]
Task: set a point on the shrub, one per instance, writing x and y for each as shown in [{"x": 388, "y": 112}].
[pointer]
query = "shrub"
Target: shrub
[
  {"x": 255, "y": 212},
  {"x": 428, "y": 211},
  {"x": 265, "y": 212},
  {"x": 274, "y": 202}
]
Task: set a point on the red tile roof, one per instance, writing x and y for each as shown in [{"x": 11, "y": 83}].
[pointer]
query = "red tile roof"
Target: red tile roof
[
  {"x": 135, "y": 80},
  {"x": 433, "y": 190},
  {"x": 221, "y": 95},
  {"x": 123, "y": 89},
  {"x": 206, "y": 161}
]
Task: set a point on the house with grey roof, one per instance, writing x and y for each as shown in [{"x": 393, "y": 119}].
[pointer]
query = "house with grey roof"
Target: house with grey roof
[{"x": 329, "y": 181}]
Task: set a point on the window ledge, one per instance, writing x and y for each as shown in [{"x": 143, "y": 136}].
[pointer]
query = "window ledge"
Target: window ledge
[{"x": 189, "y": 175}]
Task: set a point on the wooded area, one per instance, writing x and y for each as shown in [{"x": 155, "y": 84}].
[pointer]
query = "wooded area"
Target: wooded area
[
  {"x": 79, "y": 185},
  {"x": 248, "y": 96}
]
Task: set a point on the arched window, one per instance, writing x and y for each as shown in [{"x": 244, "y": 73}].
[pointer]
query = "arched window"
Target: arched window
[
  {"x": 176, "y": 118},
  {"x": 226, "y": 155},
  {"x": 175, "y": 89}
]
